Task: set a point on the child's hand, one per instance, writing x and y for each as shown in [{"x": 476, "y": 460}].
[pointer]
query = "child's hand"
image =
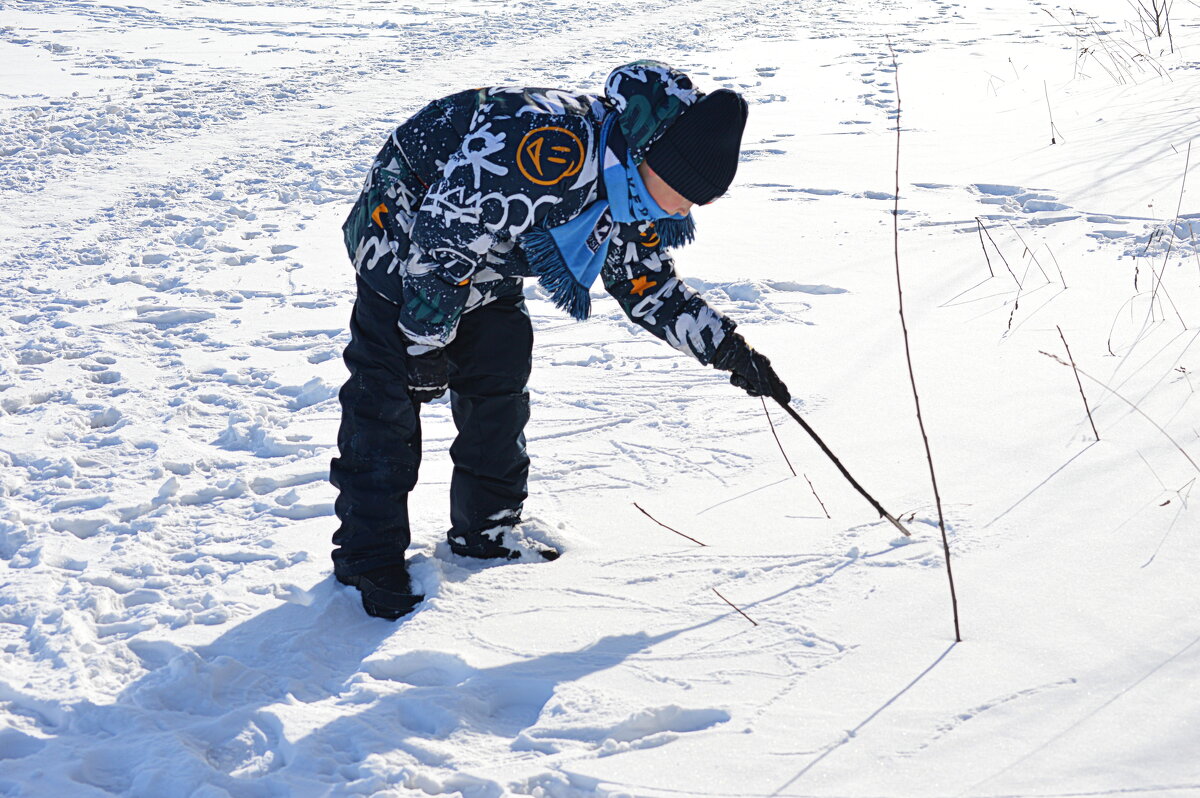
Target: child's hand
[
  {"x": 751, "y": 369},
  {"x": 428, "y": 375}
]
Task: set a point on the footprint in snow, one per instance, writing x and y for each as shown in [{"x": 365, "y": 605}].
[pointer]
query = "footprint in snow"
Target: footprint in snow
[
  {"x": 646, "y": 728},
  {"x": 296, "y": 340},
  {"x": 162, "y": 317},
  {"x": 757, "y": 290},
  {"x": 761, "y": 152},
  {"x": 1035, "y": 206}
]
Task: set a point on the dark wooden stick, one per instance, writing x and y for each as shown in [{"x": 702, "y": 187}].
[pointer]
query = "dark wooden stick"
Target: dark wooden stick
[
  {"x": 776, "y": 434},
  {"x": 908, "y": 355},
  {"x": 789, "y": 462},
  {"x": 730, "y": 603},
  {"x": 1078, "y": 381},
  {"x": 813, "y": 434},
  {"x": 664, "y": 526}
]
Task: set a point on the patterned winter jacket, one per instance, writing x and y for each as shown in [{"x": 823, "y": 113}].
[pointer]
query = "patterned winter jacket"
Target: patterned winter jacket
[{"x": 438, "y": 226}]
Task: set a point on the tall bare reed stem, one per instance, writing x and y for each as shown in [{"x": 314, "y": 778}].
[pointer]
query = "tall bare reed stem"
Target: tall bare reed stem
[{"x": 908, "y": 356}]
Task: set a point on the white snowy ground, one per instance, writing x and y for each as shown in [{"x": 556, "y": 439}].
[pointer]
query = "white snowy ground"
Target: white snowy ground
[{"x": 173, "y": 306}]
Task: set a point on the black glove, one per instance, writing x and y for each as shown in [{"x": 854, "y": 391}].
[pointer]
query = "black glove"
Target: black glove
[
  {"x": 752, "y": 370},
  {"x": 428, "y": 375}
]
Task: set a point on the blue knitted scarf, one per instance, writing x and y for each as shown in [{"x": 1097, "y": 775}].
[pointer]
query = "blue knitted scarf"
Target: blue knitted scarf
[{"x": 568, "y": 258}]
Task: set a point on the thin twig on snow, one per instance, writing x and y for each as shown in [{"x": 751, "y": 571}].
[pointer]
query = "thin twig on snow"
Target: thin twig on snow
[
  {"x": 815, "y": 496},
  {"x": 664, "y": 526},
  {"x": 776, "y": 434},
  {"x": 1077, "y": 381},
  {"x": 731, "y": 604}
]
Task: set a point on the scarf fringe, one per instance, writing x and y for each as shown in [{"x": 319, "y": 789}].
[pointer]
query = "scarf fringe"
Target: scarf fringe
[
  {"x": 676, "y": 232},
  {"x": 551, "y": 270}
]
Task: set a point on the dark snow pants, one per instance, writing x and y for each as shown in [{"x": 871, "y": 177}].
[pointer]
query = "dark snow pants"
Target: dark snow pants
[{"x": 379, "y": 441}]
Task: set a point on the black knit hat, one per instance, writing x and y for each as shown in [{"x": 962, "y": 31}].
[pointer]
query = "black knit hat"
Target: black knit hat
[{"x": 698, "y": 154}]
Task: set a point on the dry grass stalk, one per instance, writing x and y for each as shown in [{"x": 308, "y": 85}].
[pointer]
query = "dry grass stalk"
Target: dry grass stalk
[
  {"x": 731, "y": 604},
  {"x": 908, "y": 356},
  {"x": 1057, "y": 266},
  {"x": 1132, "y": 406},
  {"x": 664, "y": 526},
  {"x": 1077, "y": 381},
  {"x": 815, "y": 496},
  {"x": 789, "y": 462},
  {"x": 1030, "y": 253},
  {"x": 998, "y": 252},
  {"x": 979, "y": 229},
  {"x": 1053, "y": 129},
  {"x": 776, "y": 434}
]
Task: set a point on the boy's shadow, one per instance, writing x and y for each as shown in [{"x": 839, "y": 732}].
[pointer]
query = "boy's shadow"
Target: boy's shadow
[
  {"x": 197, "y": 719},
  {"x": 451, "y": 715}
]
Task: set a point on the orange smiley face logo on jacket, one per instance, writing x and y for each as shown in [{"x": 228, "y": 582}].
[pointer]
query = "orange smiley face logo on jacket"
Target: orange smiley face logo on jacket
[
  {"x": 649, "y": 238},
  {"x": 549, "y": 155}
]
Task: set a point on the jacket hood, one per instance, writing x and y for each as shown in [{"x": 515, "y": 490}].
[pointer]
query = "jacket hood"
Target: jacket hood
[{"x": 648, "y": 96}]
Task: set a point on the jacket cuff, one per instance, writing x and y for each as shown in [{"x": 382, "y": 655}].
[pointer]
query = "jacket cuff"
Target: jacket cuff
[{"x": 725, "y": 344}]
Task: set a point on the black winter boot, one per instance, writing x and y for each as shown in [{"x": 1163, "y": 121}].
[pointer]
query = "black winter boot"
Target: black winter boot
[
  {"x": 386, "y": 591},
  {"x": 491, "y": 543}
]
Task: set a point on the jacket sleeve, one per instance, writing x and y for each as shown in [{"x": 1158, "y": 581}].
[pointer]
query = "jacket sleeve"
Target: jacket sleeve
[
  {"x": 489, "y": 191},
  {"x": 640, "y": 275}
]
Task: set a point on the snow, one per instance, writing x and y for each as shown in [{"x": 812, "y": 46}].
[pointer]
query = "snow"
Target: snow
[{"x": 173, "y": 304}]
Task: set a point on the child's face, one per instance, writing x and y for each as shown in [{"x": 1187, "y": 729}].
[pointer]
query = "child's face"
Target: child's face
[{"x": 667, "y": 198}]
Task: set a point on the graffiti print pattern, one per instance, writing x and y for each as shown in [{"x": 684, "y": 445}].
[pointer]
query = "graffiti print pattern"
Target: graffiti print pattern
[
  {"x": 437, "y": 228},
  {"x": 643, "y": 281}
]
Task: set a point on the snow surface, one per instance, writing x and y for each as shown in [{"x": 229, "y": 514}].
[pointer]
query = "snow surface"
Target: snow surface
[{"x": 174, "y": 301}]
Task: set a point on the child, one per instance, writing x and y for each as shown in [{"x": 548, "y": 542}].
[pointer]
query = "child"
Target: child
[{"x": 470, "y": 195}]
